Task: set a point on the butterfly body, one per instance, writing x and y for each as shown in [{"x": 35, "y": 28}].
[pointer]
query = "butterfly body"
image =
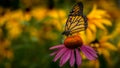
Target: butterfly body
[
  {"x": 66, "y": 33},
  {"x": 76, "y": 21}
]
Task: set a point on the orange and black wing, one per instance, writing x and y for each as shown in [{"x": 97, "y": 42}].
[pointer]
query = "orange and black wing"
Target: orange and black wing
[
  {"x": 76, "y": 21},
  {"x": 77, "y": 9}
]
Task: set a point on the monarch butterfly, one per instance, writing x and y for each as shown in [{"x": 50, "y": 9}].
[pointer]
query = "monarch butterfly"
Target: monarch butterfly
[{"x": 76, "y": 21}]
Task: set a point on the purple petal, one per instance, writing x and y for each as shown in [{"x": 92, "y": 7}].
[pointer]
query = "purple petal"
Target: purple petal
[
  {"x": 59, "y": 54},
  {"x": 65, "y": 57},
  {"x": 57, "y": 46},
  {"x": 91, "y": 51},
  {"x": 88, "y": 47},
  {"x": 78, "y": 57},
  {"x": 55, "y": 52},
  {"x": 88, "y": 54},
  {"x": 72, "y": 58}
]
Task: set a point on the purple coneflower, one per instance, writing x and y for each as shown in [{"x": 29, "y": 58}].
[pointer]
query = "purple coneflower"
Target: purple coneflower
[{"x": 70, "y": 50}]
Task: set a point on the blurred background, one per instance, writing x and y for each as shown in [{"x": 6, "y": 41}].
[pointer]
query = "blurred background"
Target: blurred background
[{"x": 28, "y": 28}]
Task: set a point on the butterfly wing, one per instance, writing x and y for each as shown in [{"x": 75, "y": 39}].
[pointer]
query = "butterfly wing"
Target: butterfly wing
[
  {"x": 76, "y": 21},
  {"x": 77, "y": 9}
]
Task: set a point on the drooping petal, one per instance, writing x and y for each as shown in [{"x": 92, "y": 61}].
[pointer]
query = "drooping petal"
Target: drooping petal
[
  {"x": 72, "y": 58},
  {"x": 78, "y": 57},
  {"x": 57, "y": 46},
  {"x": 92, "y": 52},
  {"x": 90, "y": 35},
  {"x": 88, "y": 54},
  {"x": 109, "y": 46},
  {"x": 55, "y": 52},
  {"x": 99, "y": 25},
  {"x": 59, "y": 54},
  {"x": 106, "y": 22},
  {"x": 88, "y": 47},
  {"x": 92, "y": 27},
  {"x": 65, "y": 57}
]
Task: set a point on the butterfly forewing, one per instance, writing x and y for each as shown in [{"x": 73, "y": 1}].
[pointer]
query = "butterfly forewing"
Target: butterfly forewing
[
  {"x": 77, "y": 30},
  {"x": 77, "y": 9},
  {"x": 78, "y": 25},
  {"x": 76, "y": 22}
]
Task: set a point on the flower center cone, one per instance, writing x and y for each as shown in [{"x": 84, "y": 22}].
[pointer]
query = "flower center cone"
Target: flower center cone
[{"x": 73, "y": 42}]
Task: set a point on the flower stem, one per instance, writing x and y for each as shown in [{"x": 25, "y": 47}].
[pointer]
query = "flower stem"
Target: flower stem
[{"x": 75, "y": 66}]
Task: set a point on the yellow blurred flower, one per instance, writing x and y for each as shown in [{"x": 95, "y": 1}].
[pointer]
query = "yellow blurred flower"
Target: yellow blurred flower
[
  {"x": 39, "y": 13},
  {"x": 14, "y": 28},
  {"x": 54, "y": 24},
  {"x": 27, "y": 16},
  {"x": 12, "y": 21},
  {"x": 97, "y": 18},
  {"x": 58, "y": 18},
  {"x": 111, "y": 6},
  {"x": 56, "y": 13},
  {"x": 18, "y": 15},
  {"x": 2, "y": 20},
  {"x": 103, "y": 47},
  {"x": 14, "y": 15},
  {"x": 5, "y": 50}
]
